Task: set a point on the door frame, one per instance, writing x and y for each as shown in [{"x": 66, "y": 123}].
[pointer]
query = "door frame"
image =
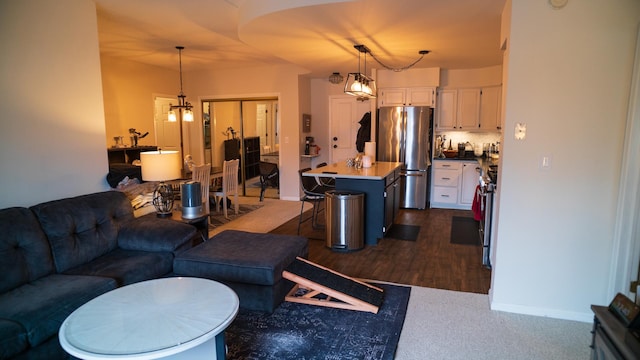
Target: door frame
[{"x": 625, "y": 259}]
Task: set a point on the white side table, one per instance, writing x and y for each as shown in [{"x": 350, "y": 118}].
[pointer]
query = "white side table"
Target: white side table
[{"x": 172, "y": 318}]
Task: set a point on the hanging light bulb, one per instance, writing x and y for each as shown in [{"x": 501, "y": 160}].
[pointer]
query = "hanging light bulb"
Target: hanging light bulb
[
  {"x": 188, "y": 115},
  {"x": 172, "y": 116}
]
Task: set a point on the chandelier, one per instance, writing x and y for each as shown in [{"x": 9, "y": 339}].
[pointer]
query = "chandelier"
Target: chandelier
[
  {"x": 183, "y": 105},
  {"x": 359, "y": 84}
]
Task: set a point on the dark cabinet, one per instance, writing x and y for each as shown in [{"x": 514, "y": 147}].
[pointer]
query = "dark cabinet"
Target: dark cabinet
[
  {"x": 127, "y": 155},
  {"x": 231, "y": 149},
  {"x": 251, "y": 157},
  {"x": 611, "y": 339}
]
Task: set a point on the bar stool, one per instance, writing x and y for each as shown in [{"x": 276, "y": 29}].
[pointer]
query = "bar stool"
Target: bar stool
[{"x": 314, "y": 194}]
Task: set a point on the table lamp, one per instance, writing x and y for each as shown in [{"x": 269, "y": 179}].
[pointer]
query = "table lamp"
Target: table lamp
[{"x": 161, "y": 166}]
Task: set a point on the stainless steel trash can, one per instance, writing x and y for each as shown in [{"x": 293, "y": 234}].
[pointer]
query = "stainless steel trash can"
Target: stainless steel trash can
[{"x": 344, "y": 212}]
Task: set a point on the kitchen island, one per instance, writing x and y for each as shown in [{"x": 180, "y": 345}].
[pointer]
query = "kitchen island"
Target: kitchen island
[{"x": 381, "y": 187}]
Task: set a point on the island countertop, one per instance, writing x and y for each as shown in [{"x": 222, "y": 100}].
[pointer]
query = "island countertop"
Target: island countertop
[{"x": 378, "y": 171}]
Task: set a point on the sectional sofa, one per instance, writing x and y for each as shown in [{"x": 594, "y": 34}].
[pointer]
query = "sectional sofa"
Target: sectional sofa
[{"x": 58, "y": 255}]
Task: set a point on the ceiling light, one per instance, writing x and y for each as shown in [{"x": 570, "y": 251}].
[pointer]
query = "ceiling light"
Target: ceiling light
[
  {"x": 336, "y": 78},
  {"x": 359, "y": 84},
  {"x": 183, "y": 105}
]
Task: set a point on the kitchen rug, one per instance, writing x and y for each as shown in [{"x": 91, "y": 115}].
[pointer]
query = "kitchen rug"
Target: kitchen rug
[
  {"x": 301, "y": 331},
  {"x": 464, "y": 231},
  {"x": 403, "y": 232}
]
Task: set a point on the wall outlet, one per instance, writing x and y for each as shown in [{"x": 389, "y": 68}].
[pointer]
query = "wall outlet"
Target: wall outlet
[{"x": 520, "y": 131}]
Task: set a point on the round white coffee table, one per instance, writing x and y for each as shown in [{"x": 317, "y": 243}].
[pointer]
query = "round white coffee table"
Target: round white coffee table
[{"x": 172, "y": 318}]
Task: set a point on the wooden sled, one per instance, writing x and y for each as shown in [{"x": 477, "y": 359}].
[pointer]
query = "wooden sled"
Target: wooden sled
[{"x": 318, "y": 285}]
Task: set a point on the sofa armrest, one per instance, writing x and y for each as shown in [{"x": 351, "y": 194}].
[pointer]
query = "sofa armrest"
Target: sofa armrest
[{"x": 150, "y": 233}]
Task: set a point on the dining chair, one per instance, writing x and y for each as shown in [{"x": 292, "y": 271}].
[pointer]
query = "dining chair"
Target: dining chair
[
  {"x": 202, "y": 174},
  {"x": 229, "y": 186}
]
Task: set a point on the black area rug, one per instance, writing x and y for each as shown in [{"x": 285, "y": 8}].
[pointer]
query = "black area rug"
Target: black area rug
[
  {"x": 403, "y": 232},
  {"x": 301, "y": 331},
  {"x": 464, "y": 231}
]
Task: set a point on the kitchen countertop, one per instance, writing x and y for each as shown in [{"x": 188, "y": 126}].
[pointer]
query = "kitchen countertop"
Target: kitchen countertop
[{"x": 378, "y": 171}]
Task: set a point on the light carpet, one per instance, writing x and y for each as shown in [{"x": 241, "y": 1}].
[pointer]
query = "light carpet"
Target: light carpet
[
  {"x": 269, "y": 216},
  {"x": 443, "y": 324}
]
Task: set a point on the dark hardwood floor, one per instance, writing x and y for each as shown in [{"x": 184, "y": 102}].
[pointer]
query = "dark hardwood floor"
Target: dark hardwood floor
[{"x": 430, "y": 261}]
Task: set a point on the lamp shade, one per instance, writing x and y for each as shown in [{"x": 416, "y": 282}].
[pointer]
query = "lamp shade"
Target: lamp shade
[{"x": 160, "y": 165}]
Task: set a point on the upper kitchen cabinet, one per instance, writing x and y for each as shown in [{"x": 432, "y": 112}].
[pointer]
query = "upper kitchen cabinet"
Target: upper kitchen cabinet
[
  {"x": 490, "y": 108},
  {"x": 458, "y": 109},
  {"x": 468, "y": 109},
  {"x": 473, "y": 109},
  {"x": 412, "y": 96}
]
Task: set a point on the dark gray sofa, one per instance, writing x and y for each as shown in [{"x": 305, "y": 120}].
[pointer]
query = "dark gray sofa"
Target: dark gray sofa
[{"x": 58, "y": 255}]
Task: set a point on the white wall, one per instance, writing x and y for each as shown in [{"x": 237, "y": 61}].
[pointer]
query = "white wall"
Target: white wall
[
  {"x": 52, "y": 132},
  {"x": 569, "y": 74},
  {"x": 129, "y": 89}
]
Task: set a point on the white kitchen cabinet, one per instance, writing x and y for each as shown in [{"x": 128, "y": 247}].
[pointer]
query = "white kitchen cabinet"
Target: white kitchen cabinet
[
  {"x": 446, "y": 110},
  {"x": 458, "y": 109},
  {"x": 415, "y": 96},
  {"x": 454, "y": 184},
  {"x": 468, "y": 109},
  {"x": 490, "y": 100}
]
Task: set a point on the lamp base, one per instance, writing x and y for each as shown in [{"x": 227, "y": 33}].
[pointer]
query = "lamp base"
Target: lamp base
[{"x": 163, "y": 200}]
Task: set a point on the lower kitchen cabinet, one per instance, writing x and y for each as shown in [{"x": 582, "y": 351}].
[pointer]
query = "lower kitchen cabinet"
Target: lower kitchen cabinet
[{"x": 454, "y": 184}]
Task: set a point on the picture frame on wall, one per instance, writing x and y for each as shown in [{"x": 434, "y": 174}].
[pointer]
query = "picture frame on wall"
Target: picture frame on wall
[{"x": 306, "y": 123}]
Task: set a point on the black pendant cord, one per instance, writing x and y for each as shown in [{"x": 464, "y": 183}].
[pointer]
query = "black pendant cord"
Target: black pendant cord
[{"x": 365, "y": 50}]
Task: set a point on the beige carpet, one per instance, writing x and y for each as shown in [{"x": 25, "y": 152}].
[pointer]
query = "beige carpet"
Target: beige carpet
[{"x": 272, "y": 214}]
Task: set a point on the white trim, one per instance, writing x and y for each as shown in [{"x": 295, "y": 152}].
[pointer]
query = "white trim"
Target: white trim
[
  {"x": 544, "y": 312},
  {"x": 626, "y": 248}
]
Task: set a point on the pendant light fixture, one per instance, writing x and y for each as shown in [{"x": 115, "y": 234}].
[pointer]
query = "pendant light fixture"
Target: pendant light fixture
[
  {"x": 359, "y": 84},
  {"x": 183, "y": 106},
  {"x": 364, "y": 87}
]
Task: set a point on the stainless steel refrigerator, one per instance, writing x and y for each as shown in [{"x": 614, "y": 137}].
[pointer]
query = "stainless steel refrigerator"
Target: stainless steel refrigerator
[{"x": 404, "y": 134}]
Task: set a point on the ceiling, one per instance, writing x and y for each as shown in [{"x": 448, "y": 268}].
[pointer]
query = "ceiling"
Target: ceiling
[{"x": 316, "y": 35}]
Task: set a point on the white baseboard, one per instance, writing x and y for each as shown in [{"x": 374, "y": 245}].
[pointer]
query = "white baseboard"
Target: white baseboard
[{"x": 543, "y": 312}]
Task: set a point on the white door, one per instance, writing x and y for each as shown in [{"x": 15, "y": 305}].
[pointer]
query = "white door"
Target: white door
[
  {"x": 167, "y": 133},
  {"x": 345, "y": 113}
]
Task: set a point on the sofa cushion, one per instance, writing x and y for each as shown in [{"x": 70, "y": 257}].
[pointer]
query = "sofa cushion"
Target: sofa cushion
[
  {"x": 24, "y": 249},
  {"x": 127, "y": 266},
  {"x": 83, "y": 228},
  {"x": 151, "y": 233},
  {"x": 13, "y": 339},
  {"x": 41, "y": 306},
  {"x": 241, "y": 256}
]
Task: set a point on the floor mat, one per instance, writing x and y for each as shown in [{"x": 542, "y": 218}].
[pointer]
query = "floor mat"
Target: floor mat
[
  {"x": 403, "y": 232},
  {"x": 464, "y": 231}
]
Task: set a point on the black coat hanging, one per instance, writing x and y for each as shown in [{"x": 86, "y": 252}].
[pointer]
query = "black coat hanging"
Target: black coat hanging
[{"x": 364, "y": 133}]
